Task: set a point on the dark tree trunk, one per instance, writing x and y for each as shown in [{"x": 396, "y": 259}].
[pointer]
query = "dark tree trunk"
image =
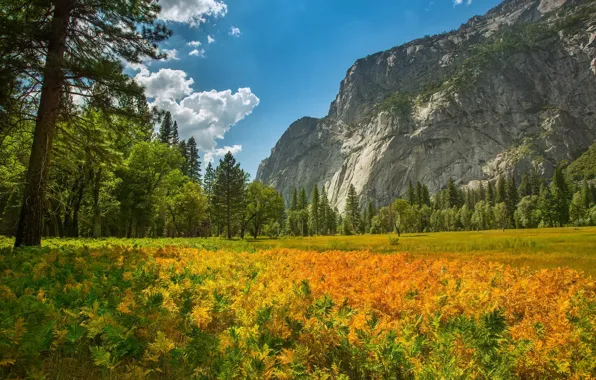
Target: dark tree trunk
[
  {"x": 96, "y": 210},
  {"x": 30, "y": 225}
]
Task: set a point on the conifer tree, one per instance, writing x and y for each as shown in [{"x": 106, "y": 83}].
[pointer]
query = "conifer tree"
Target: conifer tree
[
  {"x": 419, "y": 194},
  {"x": 411, "y": 194},
  {"x": 352, "y": 214},
  {"x": 586, "y": 194},
  {"x": 425, "y": 196},
  {"x": 490, "y": 194},
  {"x": 501, "y": 190},
  {"x": 511, "y": 199},
  {"x": 193, "y": 161},
  {"x": 228, "y": 192},
  {"x": 324, "y": 210},
  {"x": 525, "y": 187},
  {"x": 165, "y": 129},
  {"x": 294, "y": 201},
  {"x": 184, "y": 152},
  {"x": 174, "y": 140},
  {"x": 314, "y": 210},
  {"x": 561, "y": 196}
]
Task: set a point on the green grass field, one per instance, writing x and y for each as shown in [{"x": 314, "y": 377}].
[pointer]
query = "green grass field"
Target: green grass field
[{"x": 535, "y": 248}]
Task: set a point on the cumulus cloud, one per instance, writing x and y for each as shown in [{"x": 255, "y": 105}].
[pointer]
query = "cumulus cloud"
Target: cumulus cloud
[
  {"x": 197, "y": 53},
  {"x": 193, "y": 12},
  {"x": 235, "y": 32},
  {"x": 220, "y": 152},
  {"x": 210, "y": 39},
  {"x": 165, "y": 84},
  {"x": 172, "y": 54},
  {"x": 194, "y": 43},
  {"x": 206, "y": 115}
]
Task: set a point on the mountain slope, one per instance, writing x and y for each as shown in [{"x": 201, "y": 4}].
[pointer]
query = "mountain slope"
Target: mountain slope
[{"x": 513, "y": 88}]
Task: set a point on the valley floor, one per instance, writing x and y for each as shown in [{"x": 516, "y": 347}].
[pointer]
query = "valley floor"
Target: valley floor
[
  {"x": 570, "y": 247},
  {"x": 437, "y": 305}
]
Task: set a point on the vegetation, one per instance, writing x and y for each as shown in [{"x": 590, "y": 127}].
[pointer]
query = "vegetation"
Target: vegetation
[
  {"x": 584, "y": 166},
  {"x": 144, "y": 311}
]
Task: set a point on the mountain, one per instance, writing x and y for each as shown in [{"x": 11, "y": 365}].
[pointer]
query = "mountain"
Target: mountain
[{"x": 507, "y": 90}]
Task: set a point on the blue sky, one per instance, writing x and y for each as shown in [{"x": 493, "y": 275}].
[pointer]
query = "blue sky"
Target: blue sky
[{"x": 292, "y": 54}]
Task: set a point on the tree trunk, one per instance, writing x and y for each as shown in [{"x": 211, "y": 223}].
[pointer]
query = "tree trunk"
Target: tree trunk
[
  {"x": 30, "y": 225},
  {"x": 96, "y": 209}
]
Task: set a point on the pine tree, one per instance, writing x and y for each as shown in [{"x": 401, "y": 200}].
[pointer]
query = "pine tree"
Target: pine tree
[
  {"x": 324, "y": 209},
  {"x": 561, "y": 195},
  {"x": 352, "y": 214},
  {"x": 586, "y": 194},
  {"x": 314, "y": 210},
  {"x": 425, "y": 196},
  {"x": 294, "y": 202},
  {"x": 535, "y": 181},
  {"x": 184, "y": 152},
  {"x": 174, "y": 136},
  {"x": 525, "y": 187},
  {"x": 512, "y": 199},
  {"x": 228, "y": 192},
  {"x": 501, "y": 191},
  {"x": 490, "y": 194},
  {"x": 452, "y": 194},
  {"x": 411, "y": 194},
  {"x": 419, "y": 194},
  {"x": 165, "y": 129},
  {"x": 193, "y": 161}
]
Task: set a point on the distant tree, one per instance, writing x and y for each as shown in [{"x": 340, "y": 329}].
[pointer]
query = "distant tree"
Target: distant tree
[
  {"x": 525, "y": 187},
  {"x": 352, "y": 212},
  {"x": 174, "y": 139},
  {"x": 183, "y": 149},
  {"x": 402, "y": 215},
  {"x": 425, "y": 196},
  {"x": 315, "y": 211},
  {"x": 324, "y": 210},
  {"x": 264, "y": 204},
  {"x": 501, "y": 215},
  {"x": 501, "y": 190},
  {"x": 527, "y": 214},
  {"x": 452, "y": 194},
  {"x": 490, "y": 194},
  {"x": 548, "y": 207},
  {"x": 586, "y": 194},
  {"x": 561, "y": 196},
  {"x": 228, "y": 192},
  {"x": 294, "y": 201},
  {"x": 188, "y": 210},
  {"x": 511, "y": 199},
  {"x": 411, "y": 194},
  {"x": 165, "y": 129},
  {"x": 465, "y": 216},
  {"x": 578, "y": 212},
  {"x": 193, "y": 161}
]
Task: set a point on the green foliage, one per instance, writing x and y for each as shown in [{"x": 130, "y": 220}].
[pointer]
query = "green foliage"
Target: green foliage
[{"x": 584, "y": 166}]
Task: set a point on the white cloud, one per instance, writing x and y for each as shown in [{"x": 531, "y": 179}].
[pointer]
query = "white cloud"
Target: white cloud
[
  {"x": 165, "y": 84},
  {"x": 459, "y": 2},
  {"x": 194, "y": 43},
  {"x": 197, "y": 52},
  {"x": 206, "y": 115},
  {"x": 220, "y": 152},
  {"x": 235, "y": 32},
  {"x": 211, "y": 40},
  {"x": 172, "y": 54},
  {"x": 193, "y": 12}
]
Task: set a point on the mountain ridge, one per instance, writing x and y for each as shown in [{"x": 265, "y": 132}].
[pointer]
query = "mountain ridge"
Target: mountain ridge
[{"x": 506, "y": 90}]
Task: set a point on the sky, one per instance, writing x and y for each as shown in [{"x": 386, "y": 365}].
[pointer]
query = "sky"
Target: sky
[{"x": 239, "y": 72}]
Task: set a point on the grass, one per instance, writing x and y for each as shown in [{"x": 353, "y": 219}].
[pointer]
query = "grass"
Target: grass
[{"x": 570, "y": 247}]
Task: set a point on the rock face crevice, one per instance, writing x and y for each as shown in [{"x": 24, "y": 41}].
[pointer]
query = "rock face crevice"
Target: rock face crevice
[{"x": 508, "y": 90}]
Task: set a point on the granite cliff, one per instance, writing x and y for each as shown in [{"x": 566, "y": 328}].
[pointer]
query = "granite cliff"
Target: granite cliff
[{"x": 507, "y": 90}]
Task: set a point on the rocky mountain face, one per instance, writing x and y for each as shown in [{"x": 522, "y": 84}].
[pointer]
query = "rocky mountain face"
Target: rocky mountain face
[{"x": 507, "y": 90}]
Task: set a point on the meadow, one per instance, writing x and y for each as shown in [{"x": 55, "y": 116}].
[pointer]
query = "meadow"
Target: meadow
[{"x": 324, "y": 308}]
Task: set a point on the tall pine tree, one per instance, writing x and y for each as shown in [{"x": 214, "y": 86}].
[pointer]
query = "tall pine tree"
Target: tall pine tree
[
  {"x": 193, "y": 161},
  {"x": 228, "y": 193},
  {"x": 165, "y": 129}
]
